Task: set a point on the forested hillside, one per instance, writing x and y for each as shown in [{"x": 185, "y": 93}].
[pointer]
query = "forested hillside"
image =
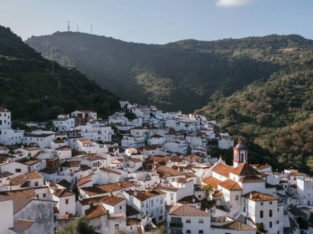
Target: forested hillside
[{"x": 34, "y": 88}]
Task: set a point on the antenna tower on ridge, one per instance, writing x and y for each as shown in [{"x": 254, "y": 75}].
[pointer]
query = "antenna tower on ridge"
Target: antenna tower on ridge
[{"x": 68, "y": 26}]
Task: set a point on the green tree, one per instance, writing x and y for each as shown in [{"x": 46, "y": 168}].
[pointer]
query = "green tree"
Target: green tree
[
  {"x": 80, "y": 226},
  {"x": 260, "y": 228}
]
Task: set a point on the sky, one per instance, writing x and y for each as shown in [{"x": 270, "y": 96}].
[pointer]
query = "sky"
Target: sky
[{"x": 160, "y": 21}]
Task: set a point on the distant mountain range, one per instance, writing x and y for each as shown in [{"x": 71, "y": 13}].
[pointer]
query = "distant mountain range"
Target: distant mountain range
[
  {"x": 34, "y": 88},
  {"x": 258, "y": 87}
]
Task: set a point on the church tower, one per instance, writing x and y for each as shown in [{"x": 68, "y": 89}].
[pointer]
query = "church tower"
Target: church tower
[{"x": 240, "y": 153}]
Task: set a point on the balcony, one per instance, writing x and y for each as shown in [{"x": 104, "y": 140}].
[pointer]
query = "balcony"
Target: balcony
[{"x": 176, "y": 225}]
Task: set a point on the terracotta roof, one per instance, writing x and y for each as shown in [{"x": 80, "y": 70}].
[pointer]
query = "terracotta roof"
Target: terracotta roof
[
  {"x": 257, "y": 196},
  {"x": 84, "y": 180},
  {"x": 213, "y": 182},
  {"x": 85, "y": 141},
  {"x": 28, "y": 162},
  {"x": 110, "y": 200},
  {"x": 167, "y": 171},
  {"x": 223, "y": 169},
  {"x": 32, "y": 148},
  {"x": 106, "y": 188},
  {"x": 95, "y": 212},
  {"x": 63, "y": 193},
  {"x": 186, "y": 210},
  {"x": 21, "y": 179},
  {"x": 63, "y": 148},
  {"x": 22, "y": 225},
  {"x": 20, "y": 198},
  {"x": 235, "y": 225},
  {"x": 230, "y": 185},
  {"x": 144, "y": 194},
  {"x": 244, "y": 169},
  {"x": 94, "y": 157}
]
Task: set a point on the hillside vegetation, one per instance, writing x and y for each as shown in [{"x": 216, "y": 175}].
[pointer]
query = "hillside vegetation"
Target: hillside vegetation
[
  {"x": 34, "y": 88},
  {"x": 176, "y": 76}
]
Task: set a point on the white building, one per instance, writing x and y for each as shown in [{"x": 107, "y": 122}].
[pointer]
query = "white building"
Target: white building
[
  {"x": 8, "y": 136},
  {"x": 63, "y": 123},
  {"x": 149, "y": 203}
]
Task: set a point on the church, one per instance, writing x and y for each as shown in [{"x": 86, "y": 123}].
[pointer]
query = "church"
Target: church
[{"x": 241, "y": 192}]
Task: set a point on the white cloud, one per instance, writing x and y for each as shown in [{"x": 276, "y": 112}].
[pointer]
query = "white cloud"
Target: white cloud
[{"x": 231, "y": 3}]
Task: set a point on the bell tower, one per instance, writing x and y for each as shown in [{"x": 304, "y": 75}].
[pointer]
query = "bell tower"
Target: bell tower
[{"x": 240, "y": 153}]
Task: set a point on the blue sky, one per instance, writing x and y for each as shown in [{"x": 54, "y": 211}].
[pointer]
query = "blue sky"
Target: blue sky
[{"x": 160, "y": 21}]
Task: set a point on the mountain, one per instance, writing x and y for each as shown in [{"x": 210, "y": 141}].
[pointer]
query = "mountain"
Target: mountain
[
  {"x": 276, "y": 114},
  {"x": 34, "y": 88},
  {"x": 176, "y": 76}
]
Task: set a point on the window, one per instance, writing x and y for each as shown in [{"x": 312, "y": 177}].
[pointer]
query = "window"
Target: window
[
  {"x": 188, "y": 220},
  {"x": 261, "y": 213},
  {"x": 271, "y": 225},
  {"x": 66, "y": 201},
  {"x": 237, "y": 197},
  {"x": 188, "y": 231},
  {"x": 44, "y": 195},
  {"x": 271, "y": 203},
  {"x": 201, "y": 221},
  {"x": 261, "y": 203},
  {"x": 120, "y": 207},
  {"x": 36, "y": 183},
  {"x": 270, "y": 213},
  {"x": 200, "y": 231},
  {"x": 17, "y": 170},
  {"x": 117, "y": 226}
]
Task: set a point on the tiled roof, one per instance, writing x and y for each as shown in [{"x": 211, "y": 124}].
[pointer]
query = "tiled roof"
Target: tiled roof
[
  {"x": 144, "y": 195},
  {"x": 213, "y": 182},
  {"x": 22, "y": 225},
  {"x": 84, "y": 180},
  {"x": 112, "y": 200},
  {"x": 85, "y": 141},
  {"x": 186, "y": 210},
  {"x": 63, "y": 193},
  {"x": 230, "y": 185},
  {"x": 106, "y": 188},
  {"x": 222, "y": 169},
  {"x": 167, "y": 171},
  {"x": 257, "y": 196},
  {"x": 235, "y": 225},
  {"x": 95, "y": 212},
  {"x": 20, "y": 198},
  {"x": 245, "y": 169}
]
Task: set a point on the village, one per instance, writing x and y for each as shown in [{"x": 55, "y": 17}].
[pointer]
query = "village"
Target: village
[{"x": 140, "y": 170}]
